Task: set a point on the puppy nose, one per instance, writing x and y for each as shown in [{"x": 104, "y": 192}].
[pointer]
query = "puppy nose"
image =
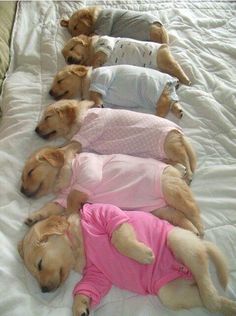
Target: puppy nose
[
  {"x": 37, "y": 130},
  {"x": 22, "y": 190},
  {"x": 70, "y": 60},
  {"x": 45, "y": 289},
  {"x": 51, "y": 92}
]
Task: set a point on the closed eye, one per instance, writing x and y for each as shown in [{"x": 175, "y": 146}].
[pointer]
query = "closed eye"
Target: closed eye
[
  {"x": 39, "y": 266},
  {"x": 60, "y": 80},
  {"x": 30, "y": 172},
  {"x": 47, "y": 117}
]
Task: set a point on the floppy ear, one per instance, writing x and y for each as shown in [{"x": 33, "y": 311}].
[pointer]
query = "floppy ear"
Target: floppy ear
[
  {"x": 70, "y": 113},
  {"x": 82, "y": 40},
  {"x": 64, "y": 23},
  {"x": 54, "y": 157},
  {"x": 86, "y": 18},
  {"x": 20, "y": 248},
  {"x": 54, "y": 225},
  {"x": 79, "y": 71}
]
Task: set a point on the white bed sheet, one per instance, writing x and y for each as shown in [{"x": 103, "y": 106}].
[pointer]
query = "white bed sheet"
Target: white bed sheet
[{"x": 203, "y": 39}]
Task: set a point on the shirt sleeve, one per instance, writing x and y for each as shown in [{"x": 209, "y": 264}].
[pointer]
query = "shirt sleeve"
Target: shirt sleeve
[
  {"x": 109, "y": 217},
  {"x": 62, "y": 198},
  {"x": 94, "y": 284},
  {"x": 101, "y": 80},
  {"x": 91, "y": 130},
  {"x": 105, "y": 44}
]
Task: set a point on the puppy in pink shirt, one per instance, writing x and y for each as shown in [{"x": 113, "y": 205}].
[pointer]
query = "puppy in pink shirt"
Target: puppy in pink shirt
[
  {"x": 108, "y": 131},
  {"x": 131, "y": 250},
  {"x": 131, "y": 183}
]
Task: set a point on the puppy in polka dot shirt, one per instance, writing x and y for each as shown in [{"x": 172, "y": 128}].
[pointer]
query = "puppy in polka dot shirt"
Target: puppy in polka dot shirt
[{"x": 108, "y": 131}]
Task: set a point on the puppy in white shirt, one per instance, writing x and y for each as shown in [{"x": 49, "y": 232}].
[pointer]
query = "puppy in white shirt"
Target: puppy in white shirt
[{"x": 100, "y": 51}]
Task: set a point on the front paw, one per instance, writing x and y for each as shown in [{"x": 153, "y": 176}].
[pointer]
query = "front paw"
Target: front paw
[
  {"x": 81, "y": 305},
  {"x": 32, "y": 219}
]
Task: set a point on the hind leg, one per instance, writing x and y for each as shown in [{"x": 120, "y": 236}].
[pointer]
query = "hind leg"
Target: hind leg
[
  {"x": 167, "y": 64},
  {"x": 180, "y": 294},
  {"x": 191, "y": 251},
  {"x": 175, "y": 150},
  {"x": 179, "y": 196},
  {"x": 164, "y": 105},
  {"x": 158, "y": 33},
  {"x": 176, "y": 218}
]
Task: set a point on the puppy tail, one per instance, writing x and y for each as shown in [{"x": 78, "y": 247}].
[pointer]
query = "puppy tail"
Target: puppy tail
[
  {"x": 220, "y": 263},
  {"x": 191, "y": 153}
]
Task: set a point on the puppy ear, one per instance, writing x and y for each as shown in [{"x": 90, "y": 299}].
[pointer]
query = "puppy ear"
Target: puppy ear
[
  {"x": 20, "y": 249},
  {"x": 80, "y": 71},
  {"x": 82, "y": 40},
  {"x": 54, "y": 225},
  {"x": 54, "y": 157},
  {"x": 64, "y": 23},
  {"x": 86, "y": 18},
  {"x": 70, "y": 113}
]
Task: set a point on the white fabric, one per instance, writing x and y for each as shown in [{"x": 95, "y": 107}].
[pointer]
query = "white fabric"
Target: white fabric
[{"x": 203, "y": 39}]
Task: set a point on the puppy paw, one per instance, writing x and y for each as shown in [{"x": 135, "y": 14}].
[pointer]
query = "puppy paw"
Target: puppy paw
[
  {"x": 81, "y": 305},
  {"x": 32, "y": 219},
  {"x": 143, "y": 254}
]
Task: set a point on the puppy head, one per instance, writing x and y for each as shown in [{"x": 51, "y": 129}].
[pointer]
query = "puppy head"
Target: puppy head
[
  {"x": 68, "y": 82},
  {"x": 41, "y": 170},
  {"x": 81, "y": 22},
  {"x": 47, "y": 253},
  {"x": 76, "y": 50},
  {"x": 59, "y": 118}
]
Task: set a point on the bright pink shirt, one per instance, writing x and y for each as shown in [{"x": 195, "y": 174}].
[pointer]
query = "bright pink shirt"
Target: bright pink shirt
[
  {"x": 105, "y": 266},
  {"x": 126, "y": 181},
  {"x": 109, "y": 131}
]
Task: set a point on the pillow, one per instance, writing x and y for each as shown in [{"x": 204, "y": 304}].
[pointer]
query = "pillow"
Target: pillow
[{"x": 7, "y": 14}]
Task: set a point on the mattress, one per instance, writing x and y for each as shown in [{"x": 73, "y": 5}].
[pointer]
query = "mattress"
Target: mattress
[{"x": 203, "y": 40}]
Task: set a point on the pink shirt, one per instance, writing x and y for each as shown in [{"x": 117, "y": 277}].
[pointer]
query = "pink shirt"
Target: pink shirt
[
  {"x": 109, "y": 131},
  {"x": 105, "y": 266},
  {"x": 126, "y": 181}
]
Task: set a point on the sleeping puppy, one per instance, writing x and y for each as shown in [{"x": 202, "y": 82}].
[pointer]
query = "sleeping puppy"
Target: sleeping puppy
[
  {"x": 131, "y": 250},
  {"x": 117, "y": 23},
  {"x": 131, "y": 183},
  {"x": 120, "y": 87},
  {"x": 108, "y": 131},
  {"x": 100, "y": 51}
]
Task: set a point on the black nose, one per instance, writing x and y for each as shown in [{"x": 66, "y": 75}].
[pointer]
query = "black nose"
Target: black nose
[
  {"x": 51, "y": 92},
  {"x": 22, "y": 190},
  {"x": 45, "y": 289},
  {"x": 70, "y": 60},
  {"x": 37, "y": 130}
]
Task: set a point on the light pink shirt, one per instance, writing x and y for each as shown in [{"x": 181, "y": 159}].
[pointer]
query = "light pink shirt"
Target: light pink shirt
[
  {"x": 105, "y": 266},
  {"x": 126, "y": 181},
  {"x": 109, "y": 131}
]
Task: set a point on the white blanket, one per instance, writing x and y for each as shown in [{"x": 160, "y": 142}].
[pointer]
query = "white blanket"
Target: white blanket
[{"x": 203, "y": 39}]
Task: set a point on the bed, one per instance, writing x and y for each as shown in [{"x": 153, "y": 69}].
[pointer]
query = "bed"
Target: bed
[{"x": 203, "y": 40}]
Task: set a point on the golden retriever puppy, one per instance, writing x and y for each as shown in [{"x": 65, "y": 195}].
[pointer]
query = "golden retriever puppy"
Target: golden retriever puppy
[
  {"x": 117, "y": 23},
  {"x": 108, "y": 131},
  {"x": 177, "y": 256},
  {"x": 88, "y": 177},
  {"x": 100, "y": 51},
  {"x": 123, "y": 86}
]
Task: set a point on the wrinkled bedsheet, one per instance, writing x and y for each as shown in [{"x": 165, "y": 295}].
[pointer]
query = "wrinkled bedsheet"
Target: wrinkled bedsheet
[{"x": 203, "y": 40}]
